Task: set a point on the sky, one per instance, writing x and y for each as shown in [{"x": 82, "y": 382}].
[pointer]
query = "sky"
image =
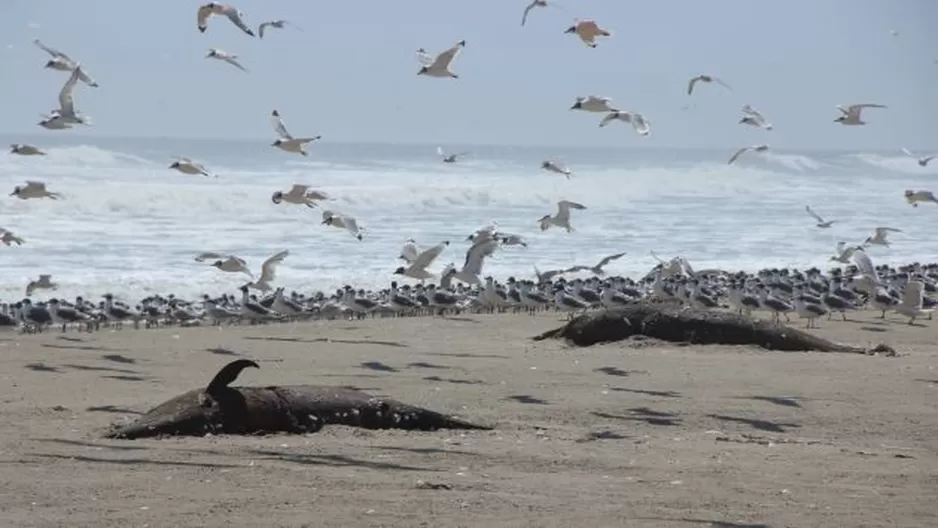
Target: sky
[{"x": 350, "y": 74}]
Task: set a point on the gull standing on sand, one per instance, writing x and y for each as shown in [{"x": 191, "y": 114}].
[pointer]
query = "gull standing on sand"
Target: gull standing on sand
[
  {"x": 923, "y": 161},
  {"x": 230, "y": 58},
  {"x": 187, "y": 166},
  {"x": 552, "y": 166},
  {"x": 268, "y": 271},
  {"x": 638, "y": 121},
  {"x": 587, "y": 30},
  {"x": 705, "y": 79},
  {"x": 214, "y": 8},
  {"x": 277, "y": 24},
  {"x": 823, "y": 224},
  {"x": 417, "y": 268},
  {"x": 25, "y": 150},
  {"x": 300, "y": 195},
  {"x": 342, "y": 222},
  {"x": 63, "y": 62},
  {"x": 44, "y": 282},
  {"x": 449, "y": 158},
  {"x": 851, "y": 114},
  {"x": 593, "y": 103},
  {"x": 754, "y": 148},
  {"x": 913, "y": 197},
  {"x": 879, "y": 236},
  {"x": 562, "y": 218},
  {"x": 598, "y": 268},
  {"x": 34, "y": 189},
  {"x": 7, "y": 238},
  {"x": 439, "y": 66},
  {"x": 286, "y": 142},
  {"x": 754, "y": 118}
]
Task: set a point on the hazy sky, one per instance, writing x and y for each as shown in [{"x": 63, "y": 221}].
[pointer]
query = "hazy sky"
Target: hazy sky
[{"x": 351, "y": 74}]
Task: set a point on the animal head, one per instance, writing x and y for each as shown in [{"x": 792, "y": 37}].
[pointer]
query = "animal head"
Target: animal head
[
  {"x": 423, "y": 70},
  {"x": 277, "y": 143},
  {"x": 399, "y": 271},
  {"x": 328, "y": 220},
  {"x": 277, "y": 197},
  {"x": 218, "y": 264},
  {"x": 175, "y": 165},
  {"x": 840, "y": 119},
  {"x": 571, "y": 29},
  {"x": 16, "y": 191},
  {"x": 51, "y": 64},
  {"x": 577, "y": 105}
]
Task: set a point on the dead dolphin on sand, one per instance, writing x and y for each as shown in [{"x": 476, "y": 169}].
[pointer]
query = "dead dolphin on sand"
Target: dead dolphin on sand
[
  {"x": 220, "y": 409},
  {"x": 690, "y": 325}
]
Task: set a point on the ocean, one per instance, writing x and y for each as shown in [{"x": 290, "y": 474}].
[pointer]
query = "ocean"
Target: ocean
[{"x": 130, "y": 226}]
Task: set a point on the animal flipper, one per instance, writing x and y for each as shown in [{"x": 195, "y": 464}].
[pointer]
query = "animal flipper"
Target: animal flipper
[{"x": 228, "y": 374}]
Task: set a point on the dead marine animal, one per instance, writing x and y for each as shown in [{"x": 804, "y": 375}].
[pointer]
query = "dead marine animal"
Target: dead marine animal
[{"x": 221, "y": 409}]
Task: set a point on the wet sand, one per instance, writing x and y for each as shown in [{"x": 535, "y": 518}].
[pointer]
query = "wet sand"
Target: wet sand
[{"x": 626, "y": 434}]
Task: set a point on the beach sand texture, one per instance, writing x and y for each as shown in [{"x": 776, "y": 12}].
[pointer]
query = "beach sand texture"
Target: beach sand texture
[{"x": 624, "y": 434}]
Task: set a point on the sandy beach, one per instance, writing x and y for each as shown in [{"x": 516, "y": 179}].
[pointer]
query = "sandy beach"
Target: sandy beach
[{"x": 624, "y": 434}]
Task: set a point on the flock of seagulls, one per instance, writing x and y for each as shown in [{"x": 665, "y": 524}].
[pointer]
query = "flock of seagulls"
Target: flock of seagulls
[{"x": 811, "y": 294}]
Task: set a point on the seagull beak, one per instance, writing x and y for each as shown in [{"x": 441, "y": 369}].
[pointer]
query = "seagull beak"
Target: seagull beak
[{"x": 324, "y": 222}]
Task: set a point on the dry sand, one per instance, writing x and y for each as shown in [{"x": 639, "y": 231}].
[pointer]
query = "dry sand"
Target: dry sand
[{"x": 613, "y": 435}]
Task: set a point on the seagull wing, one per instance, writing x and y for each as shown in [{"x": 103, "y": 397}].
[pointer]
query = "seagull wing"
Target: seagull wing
[
  {"x": 723, "y": 84},
  {"x": 858, "y": 107},
  {"x": 269, "y": 268},
  {"x": 203, "y": 15},
  {"x": 737, "y": 155},
  {"x": 427, "y": 257},
  {"x": 261, "y": 28},
  {"x": 609, "y": 259},
  {"x": 351, "y": 225},
  {"x": 35, "y": 185},
  {"x": 298, "y": 189},
  {"x": 444, "y": 59},
  {"x": 640, "y": 124},
  {"x": 235, "y": 17},
  {"x": 439, "y": 150},
  {"x": 476, "y": 255},
  {"x": 424, "y": 58},
  {"x": 691, "y": 83},
  {"x": 410, "y": 252},
  {"x": 278, "y": 125},
  {"x": 811, "y": 212},
  {"x": 231, "y": 59},
  {"x": 202, "y": 257},
  {"x": 565, "y": 205},
  {"x": 906, "y": 152},
  {"x": 610, "y": 117},
  {"x": 52, "y": 51},
  {"x": 840, "y": 247},
  {"x": 574, "y": 269},
  {"x": 66, "y": 102},
  {"x": 524, "y": 18},
  {"x": 865, "y": 265},
  {"x": 881, "y": 231}
]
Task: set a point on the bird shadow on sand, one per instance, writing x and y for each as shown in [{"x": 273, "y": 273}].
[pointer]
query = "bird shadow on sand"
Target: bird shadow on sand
[
  {"x": 425, "y": 365},
  {"x": 393, "y": 344},
  {"x": 91, "y": 368},
  {"x": 466, "y": 355},
  {"x": 659, "y": 394},
  {"x": 604, "y": 434},
  {"x": 112, "y": 409},
  {"x": 460, "y": 319},
  {"x": 41, "y": 367},
  {"x": 616, "y": 371},
  {"x": 643, "y": 414},
  {"x": 332, "y": 460},
  {"x": 454, "y": 380},
  {"x": 379, "y": 366},
  {"x": 784, "y": 401},
  {"x": 125, "y": 377},
  {"x": 755, "y": 423},
  {"x": 81, "y": 347},
  {"x": 527, "y": 399},
  {"x": 929, "y": 381},
  {"x": 709, "y": 523},
  {"x": 81, "y": 443},
  {"x": 117, "y": 358},
  {"x": 877, "y": 329},
  {"x": 426, "y": 450},
  {"x": 134, "y": 461},
  {"x": 222, "y": 351}
]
